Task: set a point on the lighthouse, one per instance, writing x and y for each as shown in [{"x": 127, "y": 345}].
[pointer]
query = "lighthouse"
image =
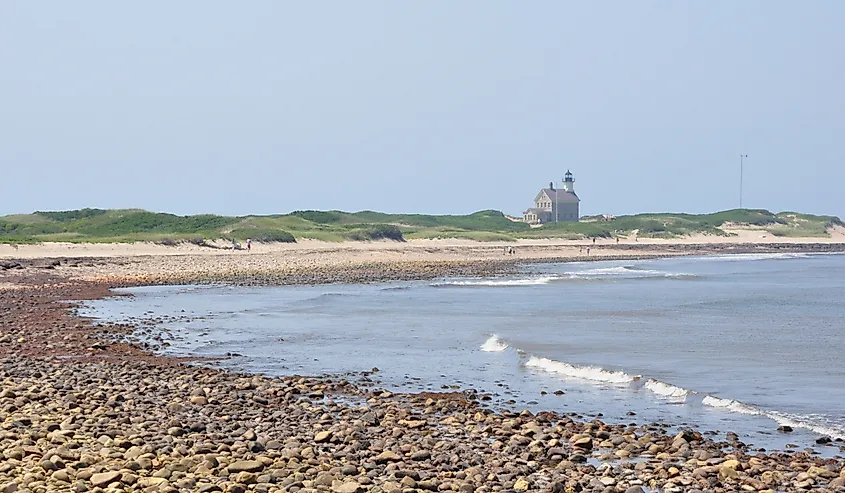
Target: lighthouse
[
  {"x": 568, "y": 182},
  {"x": 555, "y": 205}
]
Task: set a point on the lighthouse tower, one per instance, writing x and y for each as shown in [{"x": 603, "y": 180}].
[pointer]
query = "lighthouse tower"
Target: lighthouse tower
[{"x": 568, "y": 182}]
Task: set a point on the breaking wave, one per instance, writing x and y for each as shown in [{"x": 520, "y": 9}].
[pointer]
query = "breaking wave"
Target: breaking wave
[
  {"x": 593, "y": 373},
  {"x": 494, "y": 344},
  {"x": 602, "y": 376},
  {"x": 729, "y": 405},
  {"x": 326, "y": 297},
  {"x": 622, "y": 272},
  {"x": 532, "y": 281},
  {"x": 396, "y": 288},
  {"x": 665, "y": 389},
  {"x": 784, "y": 419},
  {"x": 737, "y": 257},
  {"x": 604, "y": 273}
]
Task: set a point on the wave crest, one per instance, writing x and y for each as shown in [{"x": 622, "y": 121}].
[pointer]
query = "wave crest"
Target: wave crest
[
  {"x": 729, "y": 404},
  {"x": 737, "y": 257},
  {"x": 533, "y": 281},
  {"x": 622, "y": 272},
  {"x": 665, "y": 389},
  {"x": 603, "y": 376},
  {"x": 793, "y": 421},
  {"x": 494, "y": 344},
  {"x": 592, "y": 373}
]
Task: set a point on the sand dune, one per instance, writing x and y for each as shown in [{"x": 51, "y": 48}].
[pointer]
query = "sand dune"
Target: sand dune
[{"x": 556, "y": 247}]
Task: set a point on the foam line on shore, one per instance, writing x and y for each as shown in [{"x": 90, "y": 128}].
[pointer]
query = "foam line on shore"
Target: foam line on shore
[
  {"x": 783, "y": 419},
  {"x": 603, "y": 376}
]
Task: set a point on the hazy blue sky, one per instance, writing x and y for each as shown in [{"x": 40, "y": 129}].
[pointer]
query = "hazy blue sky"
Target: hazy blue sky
[{"x": 269, "y": 106}]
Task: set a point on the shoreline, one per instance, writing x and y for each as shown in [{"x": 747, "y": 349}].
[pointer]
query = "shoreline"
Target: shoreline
[
  {"x": 368, "y": 262},
  {"x": 223, "y": 431}
]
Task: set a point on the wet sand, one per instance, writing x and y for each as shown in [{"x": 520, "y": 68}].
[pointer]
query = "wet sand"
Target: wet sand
[{"x": 83, "y": 411}]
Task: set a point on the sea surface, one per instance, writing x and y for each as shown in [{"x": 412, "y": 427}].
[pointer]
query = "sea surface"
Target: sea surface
[{"x": 741, "y": 343}]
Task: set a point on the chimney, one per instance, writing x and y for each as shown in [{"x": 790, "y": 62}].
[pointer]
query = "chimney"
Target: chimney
[{"x": 552, "y": 185}]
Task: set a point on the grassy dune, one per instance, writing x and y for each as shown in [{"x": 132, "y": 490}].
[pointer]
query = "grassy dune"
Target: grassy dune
[{"x": 128, "y": 225}]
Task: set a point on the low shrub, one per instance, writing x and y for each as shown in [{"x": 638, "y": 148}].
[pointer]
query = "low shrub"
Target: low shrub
[
  {"x": 67, "y": 216},
  {"x": 376, "y": 232},
  {"x": 263, "y": 235}
]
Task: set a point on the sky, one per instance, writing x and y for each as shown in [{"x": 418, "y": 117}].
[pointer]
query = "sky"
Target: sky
[{"x": 439, "y": 107}]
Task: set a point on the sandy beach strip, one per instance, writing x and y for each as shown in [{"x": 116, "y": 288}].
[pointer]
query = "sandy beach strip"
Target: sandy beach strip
[
  {"x": 315, "y": 262},
  {"x": 739, "y": 238}
]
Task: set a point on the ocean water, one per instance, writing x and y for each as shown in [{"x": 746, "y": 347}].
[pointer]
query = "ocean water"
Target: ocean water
[{"x": 741, "y": 343}]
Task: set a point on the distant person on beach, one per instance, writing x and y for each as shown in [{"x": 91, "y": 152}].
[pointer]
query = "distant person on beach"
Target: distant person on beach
[
  {"x": 588, "y": 250},
  {"x": 580, "y": 250},
  {"x": 617, "y": 240},
  {"x": 248, "y": 244},
  {"x": 594, "y": 241}
]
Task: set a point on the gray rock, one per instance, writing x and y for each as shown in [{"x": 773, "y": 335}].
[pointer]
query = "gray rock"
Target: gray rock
[
  {"x": 421, "y": 455},
  {"x": 105, "y": 478},
  {"x": 348, "y": 487},
  {"x": 208, "y": 488},
  {"x": 324, "y": 479},
  {"x": 245, "y": 466},
  {"x": 407, "y": 474}
]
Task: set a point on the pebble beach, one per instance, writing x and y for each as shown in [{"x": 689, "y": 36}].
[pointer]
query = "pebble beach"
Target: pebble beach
[{"x": 83, "y": 410}]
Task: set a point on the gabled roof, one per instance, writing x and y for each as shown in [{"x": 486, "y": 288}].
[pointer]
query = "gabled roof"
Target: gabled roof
[{"x": 559, "y": 196}]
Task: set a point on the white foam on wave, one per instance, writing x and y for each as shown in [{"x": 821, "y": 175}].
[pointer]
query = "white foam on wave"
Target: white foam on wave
[
  {"x": 533, "y": 281},
  {"x": 602, "y": 376},
  {"x": 592, "y": 373},
  {"x": 738, "y": 257},
  {"x": 783, "y": 419},
  {"x": 665, "y": 389},
  {"x": 603, "y": 271},
  {"x": 494, "y": 344},
  {"x": 807, "y": 424},
  {"x": 621, "y": 273},
  {"x": 729, "y": 405}
]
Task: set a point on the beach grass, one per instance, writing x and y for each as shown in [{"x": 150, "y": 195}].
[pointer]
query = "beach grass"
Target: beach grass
[{"x": 132, "y": 225}]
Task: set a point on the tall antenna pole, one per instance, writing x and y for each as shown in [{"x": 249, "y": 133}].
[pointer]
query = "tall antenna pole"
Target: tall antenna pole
[
  {"x": 557, "y": 208},
  {"x": 741, "y": 158}
]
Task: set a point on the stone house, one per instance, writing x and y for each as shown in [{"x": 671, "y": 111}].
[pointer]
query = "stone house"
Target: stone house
[{"x": 555, "y": 205}]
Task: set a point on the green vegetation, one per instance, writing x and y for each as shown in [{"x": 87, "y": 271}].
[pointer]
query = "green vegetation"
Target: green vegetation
[
  {"x": 669, "y": 225},
  {"x": 127, "y": 225},
  {"x": 376, "y": 232}
]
